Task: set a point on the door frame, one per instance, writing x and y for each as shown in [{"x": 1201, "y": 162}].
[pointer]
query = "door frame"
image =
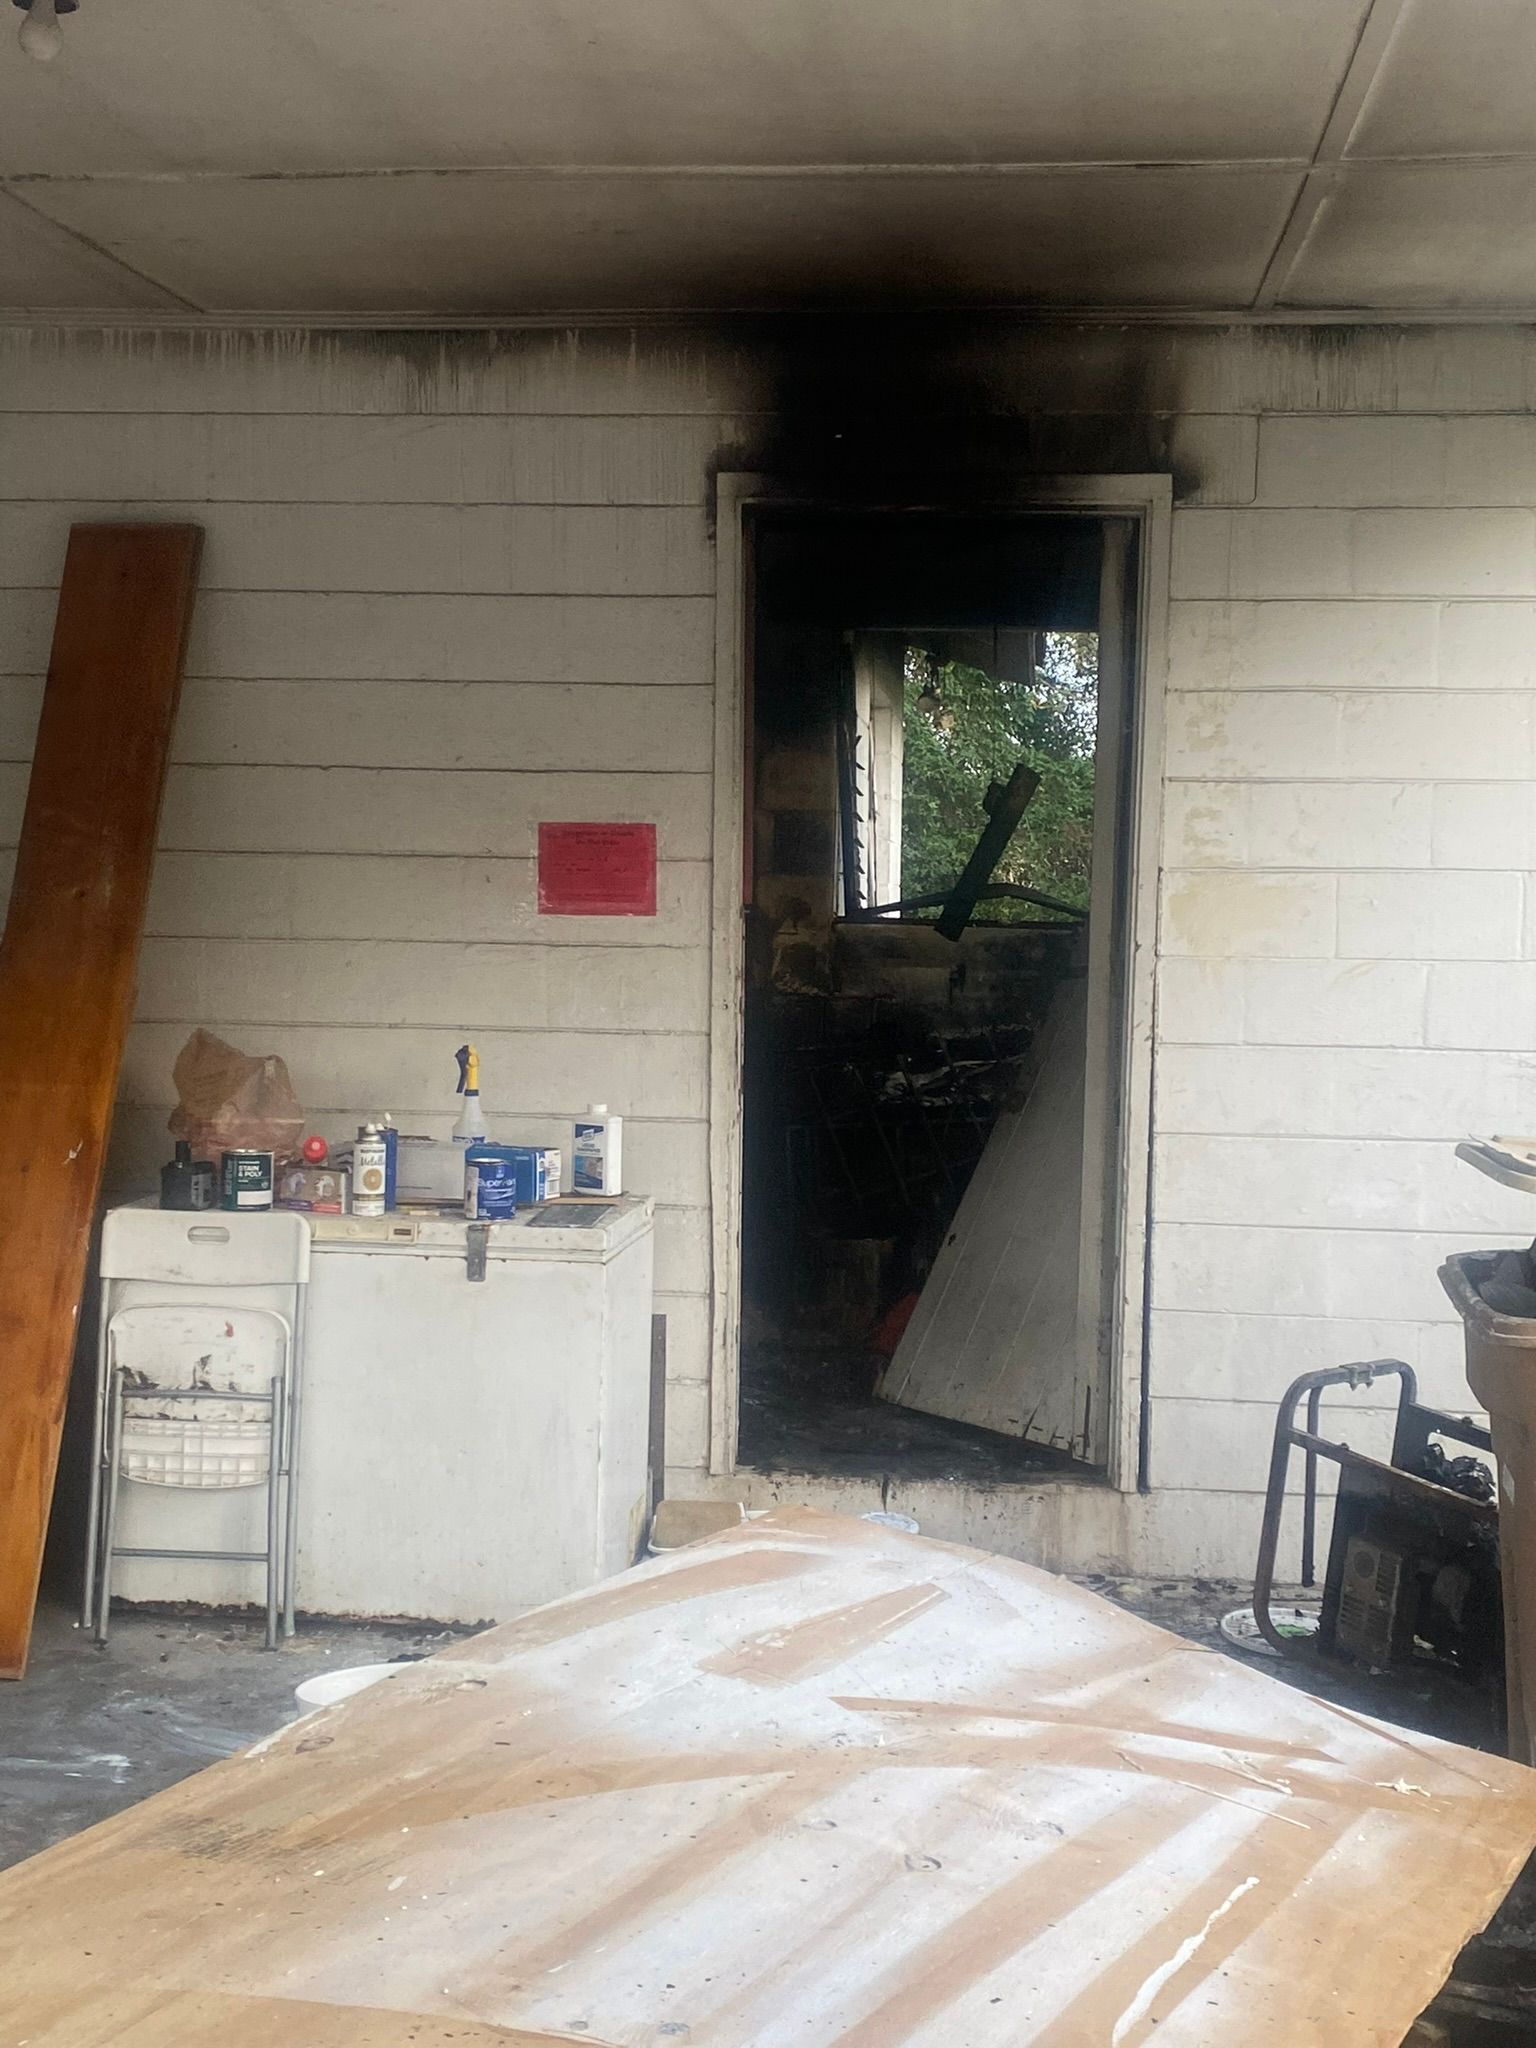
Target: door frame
[{"x": 1146, "y": 499}]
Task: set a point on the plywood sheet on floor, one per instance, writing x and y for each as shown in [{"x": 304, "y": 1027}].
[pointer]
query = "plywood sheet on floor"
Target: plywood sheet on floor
[
  {"x": 996, "y": 1339},
  {"x": 810, "y": 1784}
]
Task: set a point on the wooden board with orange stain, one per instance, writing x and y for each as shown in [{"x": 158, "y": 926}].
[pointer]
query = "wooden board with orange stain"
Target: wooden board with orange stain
[
  {"x": 807, "y": 1784},
  {"x": 67, "y": 966}
]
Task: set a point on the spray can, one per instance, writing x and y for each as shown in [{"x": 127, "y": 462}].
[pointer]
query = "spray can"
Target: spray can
[{"x": 370, "y": 1172}]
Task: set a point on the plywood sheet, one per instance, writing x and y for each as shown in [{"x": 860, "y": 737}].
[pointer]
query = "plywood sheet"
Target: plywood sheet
[
  {"x": 67, "y": 966},
  {"x": 810, "y": 1784},
  {"x": 998, "y": 1338}
]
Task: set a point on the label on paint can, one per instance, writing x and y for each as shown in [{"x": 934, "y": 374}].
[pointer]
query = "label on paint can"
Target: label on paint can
[{"x": 247, "y": 1180}]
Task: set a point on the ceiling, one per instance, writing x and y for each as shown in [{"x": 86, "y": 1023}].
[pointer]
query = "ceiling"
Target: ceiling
[{"x": 410, "y": 160}]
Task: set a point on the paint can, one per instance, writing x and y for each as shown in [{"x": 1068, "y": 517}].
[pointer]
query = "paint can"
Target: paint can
[
  {"x": 490, "y": 1182},
  {"x": 246, "y": 1180}
]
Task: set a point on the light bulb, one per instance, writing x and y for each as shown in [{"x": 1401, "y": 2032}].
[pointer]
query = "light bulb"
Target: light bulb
[{"x": 41, "y": 37}]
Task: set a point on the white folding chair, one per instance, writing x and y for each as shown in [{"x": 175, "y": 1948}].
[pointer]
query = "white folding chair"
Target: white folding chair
[{"x": 199, "y": 1366}]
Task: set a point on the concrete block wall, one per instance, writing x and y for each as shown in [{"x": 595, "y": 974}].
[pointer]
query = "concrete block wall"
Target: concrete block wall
[{"x": 456, "y": 584}]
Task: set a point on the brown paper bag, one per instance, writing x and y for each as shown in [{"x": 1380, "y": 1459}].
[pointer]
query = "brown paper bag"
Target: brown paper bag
[{"x": 230, "y": 1101}]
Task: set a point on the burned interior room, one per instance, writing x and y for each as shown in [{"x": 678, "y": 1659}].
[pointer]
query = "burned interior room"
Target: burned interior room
[{"x": 934, "y": 847}]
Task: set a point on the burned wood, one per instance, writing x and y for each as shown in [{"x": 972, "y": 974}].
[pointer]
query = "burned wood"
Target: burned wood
[
  {"x": 1005, "y": 806},
  {"x": 1011, "y": 892}
]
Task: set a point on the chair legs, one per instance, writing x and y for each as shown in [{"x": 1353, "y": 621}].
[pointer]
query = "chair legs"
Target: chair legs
[
  {"x": 111, "y": 1475},
  {"x": 93, "y": 1511},
  {"x": 274, "y": 1520},
  {"x": 292, "y": 1414},
  {"x": 107, "y": 1478}
]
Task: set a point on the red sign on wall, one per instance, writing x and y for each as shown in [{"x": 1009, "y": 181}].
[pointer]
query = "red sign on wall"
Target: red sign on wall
[{"x": 597, "y": 870}]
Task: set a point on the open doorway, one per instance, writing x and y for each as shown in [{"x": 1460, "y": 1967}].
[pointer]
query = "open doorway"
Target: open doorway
[{"x": 939, "y": 851}]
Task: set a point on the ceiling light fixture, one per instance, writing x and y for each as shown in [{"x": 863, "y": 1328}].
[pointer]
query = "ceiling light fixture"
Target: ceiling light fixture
[{"x": 41, "y": 36}]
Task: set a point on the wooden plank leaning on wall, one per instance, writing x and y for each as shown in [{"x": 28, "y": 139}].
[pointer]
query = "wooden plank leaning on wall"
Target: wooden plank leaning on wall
[{"x": 68, "y": 963}]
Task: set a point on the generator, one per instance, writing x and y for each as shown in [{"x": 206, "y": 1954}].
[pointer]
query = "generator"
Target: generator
[{"x": 1412, "y": 1576}]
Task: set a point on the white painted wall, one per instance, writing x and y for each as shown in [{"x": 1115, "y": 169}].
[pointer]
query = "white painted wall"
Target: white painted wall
[{"x": 454, "y": 585}]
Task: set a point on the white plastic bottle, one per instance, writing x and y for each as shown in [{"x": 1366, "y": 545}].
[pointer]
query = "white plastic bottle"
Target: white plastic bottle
[
  {"x": 596, "y": 1163},
  {"x": 471, "y": 1123}
]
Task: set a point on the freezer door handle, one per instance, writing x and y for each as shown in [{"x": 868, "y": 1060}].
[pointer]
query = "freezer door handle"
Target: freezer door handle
[{"x": 477, "y": 1238}]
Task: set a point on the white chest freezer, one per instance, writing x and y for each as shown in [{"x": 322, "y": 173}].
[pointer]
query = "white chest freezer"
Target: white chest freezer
[
  {"x": 470, "y": 1446},
  {"x": 474, "y": 1414}
]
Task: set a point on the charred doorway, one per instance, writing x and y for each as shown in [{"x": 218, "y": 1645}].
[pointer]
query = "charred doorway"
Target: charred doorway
[{"x": 933, "y": 991}]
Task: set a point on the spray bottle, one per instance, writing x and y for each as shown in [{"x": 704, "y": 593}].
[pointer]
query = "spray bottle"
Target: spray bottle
[{"x": 471, "y": 1123}]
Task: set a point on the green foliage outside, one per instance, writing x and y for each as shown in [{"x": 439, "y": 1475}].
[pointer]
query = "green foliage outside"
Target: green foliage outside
[{"x": 965, "y": 729}]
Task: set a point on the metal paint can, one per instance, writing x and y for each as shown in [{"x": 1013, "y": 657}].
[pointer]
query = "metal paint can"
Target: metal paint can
[
  {"x": 490, "y": 1182},
  {"x": 246, "y": 1180}
]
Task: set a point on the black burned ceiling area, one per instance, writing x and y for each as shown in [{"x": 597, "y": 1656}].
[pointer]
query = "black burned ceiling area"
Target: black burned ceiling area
[{"x": 385, "y": 160}]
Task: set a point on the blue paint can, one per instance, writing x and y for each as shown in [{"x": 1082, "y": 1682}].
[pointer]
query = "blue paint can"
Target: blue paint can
[{"x": 490, "y": 1182}]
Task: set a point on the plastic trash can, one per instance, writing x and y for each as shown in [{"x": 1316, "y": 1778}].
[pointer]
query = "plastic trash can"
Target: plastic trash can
[{"x": 1501, "y": 1369}]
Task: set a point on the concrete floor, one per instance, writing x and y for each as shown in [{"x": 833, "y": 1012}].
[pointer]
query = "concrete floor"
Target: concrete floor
[
  {"x": 1428, "y": 1703},
  {"x": 90, "y": 1731},
  {"x": 814, "y": 1412}
]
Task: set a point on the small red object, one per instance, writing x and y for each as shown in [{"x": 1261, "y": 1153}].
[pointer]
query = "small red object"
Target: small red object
[
  {"x": 597, "y": 870},
  {"x": 892, "y": 1325},
  {"x": 315, "y": 1150}
]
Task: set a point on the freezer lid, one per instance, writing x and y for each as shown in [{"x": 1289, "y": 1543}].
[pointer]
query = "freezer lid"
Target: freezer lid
[{"x": 594, "y": 1233}]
